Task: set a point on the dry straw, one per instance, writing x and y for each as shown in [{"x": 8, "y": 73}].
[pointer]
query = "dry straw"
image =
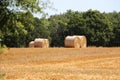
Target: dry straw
[
  {"x": 82, "y": 41},
  {"x": 72, "y": 41},
  {"x": 31, "y": 44},
  {"x": 46, "y": 43},
  {"x": 41, "y": 43}
]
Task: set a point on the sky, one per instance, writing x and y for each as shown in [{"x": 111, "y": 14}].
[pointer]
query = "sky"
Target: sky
[{"x": 62, "y": 6}]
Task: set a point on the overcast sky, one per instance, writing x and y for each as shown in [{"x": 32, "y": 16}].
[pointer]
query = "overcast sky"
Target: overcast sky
[{"x": 84, "y": 5}]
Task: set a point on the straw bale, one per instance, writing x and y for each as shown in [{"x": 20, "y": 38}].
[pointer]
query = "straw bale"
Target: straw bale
[
  {"x": 46, "y": 43},
  {"x": 82, "y": 41},
  {"x": 39, "y": 43},
  {"x": 31, "y": 44},
  {"x": 72, "y": 41}
]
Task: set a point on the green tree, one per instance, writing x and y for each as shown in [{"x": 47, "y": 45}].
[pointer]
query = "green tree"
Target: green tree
[
  {"x": 12, "y": 31},
  {"x": 27, "y": 20},
  {"x": 99, "y": 30},
  {"x": 76, "y": 24},
  {"x": 17, "y": 20},
  {"x": 114, "y": 18},
  {"x": 41, "y": 28},
  {"x": 58, "y": 24}
]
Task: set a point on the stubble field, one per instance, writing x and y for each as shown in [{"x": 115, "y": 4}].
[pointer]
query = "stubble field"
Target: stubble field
[{"x": 60, "y": 64}]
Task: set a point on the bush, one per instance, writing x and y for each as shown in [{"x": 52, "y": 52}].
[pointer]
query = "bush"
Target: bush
[
  {"x": 3, "y": 49},
  {"x": 4, "y": 46},
  {"x": 2, "y": 76}
]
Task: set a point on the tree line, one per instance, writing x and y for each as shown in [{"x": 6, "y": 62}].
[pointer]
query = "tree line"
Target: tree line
[
  {"x": 101, "y": 29},
  {"x": 18, "y": 28}
]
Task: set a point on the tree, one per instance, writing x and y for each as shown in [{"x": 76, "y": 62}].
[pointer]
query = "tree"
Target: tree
[
  {"x": 76, "y": 24},
  {"x": 93, "y": 24},
  {"x": 57, "y": 28},
  {"x": 14, "y": 31},
  {"x": 27, "y": 20},
  {"x": 114, "y": 18},
  {"x": 17, "y": 20},
  {"x": 99, "y": 30},
  {"x": 41, "y": 28}
]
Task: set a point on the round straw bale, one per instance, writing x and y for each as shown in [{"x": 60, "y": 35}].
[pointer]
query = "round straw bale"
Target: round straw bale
[
  {"x": 46, "y": 43},
  {"x": 82, "y": 41},
  {"x": 72, "y": 41},
  {"x": 31, "y": 44},
  {"x": 40, "y": 43}
]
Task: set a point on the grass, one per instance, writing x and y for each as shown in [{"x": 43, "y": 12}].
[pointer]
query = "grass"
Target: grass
[
  {"x": 2, "y": 50},
  {"x": 2, "y": 76}
]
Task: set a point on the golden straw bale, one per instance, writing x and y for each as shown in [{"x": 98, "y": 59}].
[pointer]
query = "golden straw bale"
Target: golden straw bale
[
  {"x": 46, "y": 43},
  {"x": 31, "y": 44},
  {"x": 82, "y": 41},
  {"x": 39, "y": 43},
  {"x": 72, "y": 41}
]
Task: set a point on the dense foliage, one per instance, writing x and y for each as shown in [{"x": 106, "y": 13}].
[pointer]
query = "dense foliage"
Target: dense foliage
[
  {"x": 101, "y": 29},
  {"x": 18, "y": 26}
]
